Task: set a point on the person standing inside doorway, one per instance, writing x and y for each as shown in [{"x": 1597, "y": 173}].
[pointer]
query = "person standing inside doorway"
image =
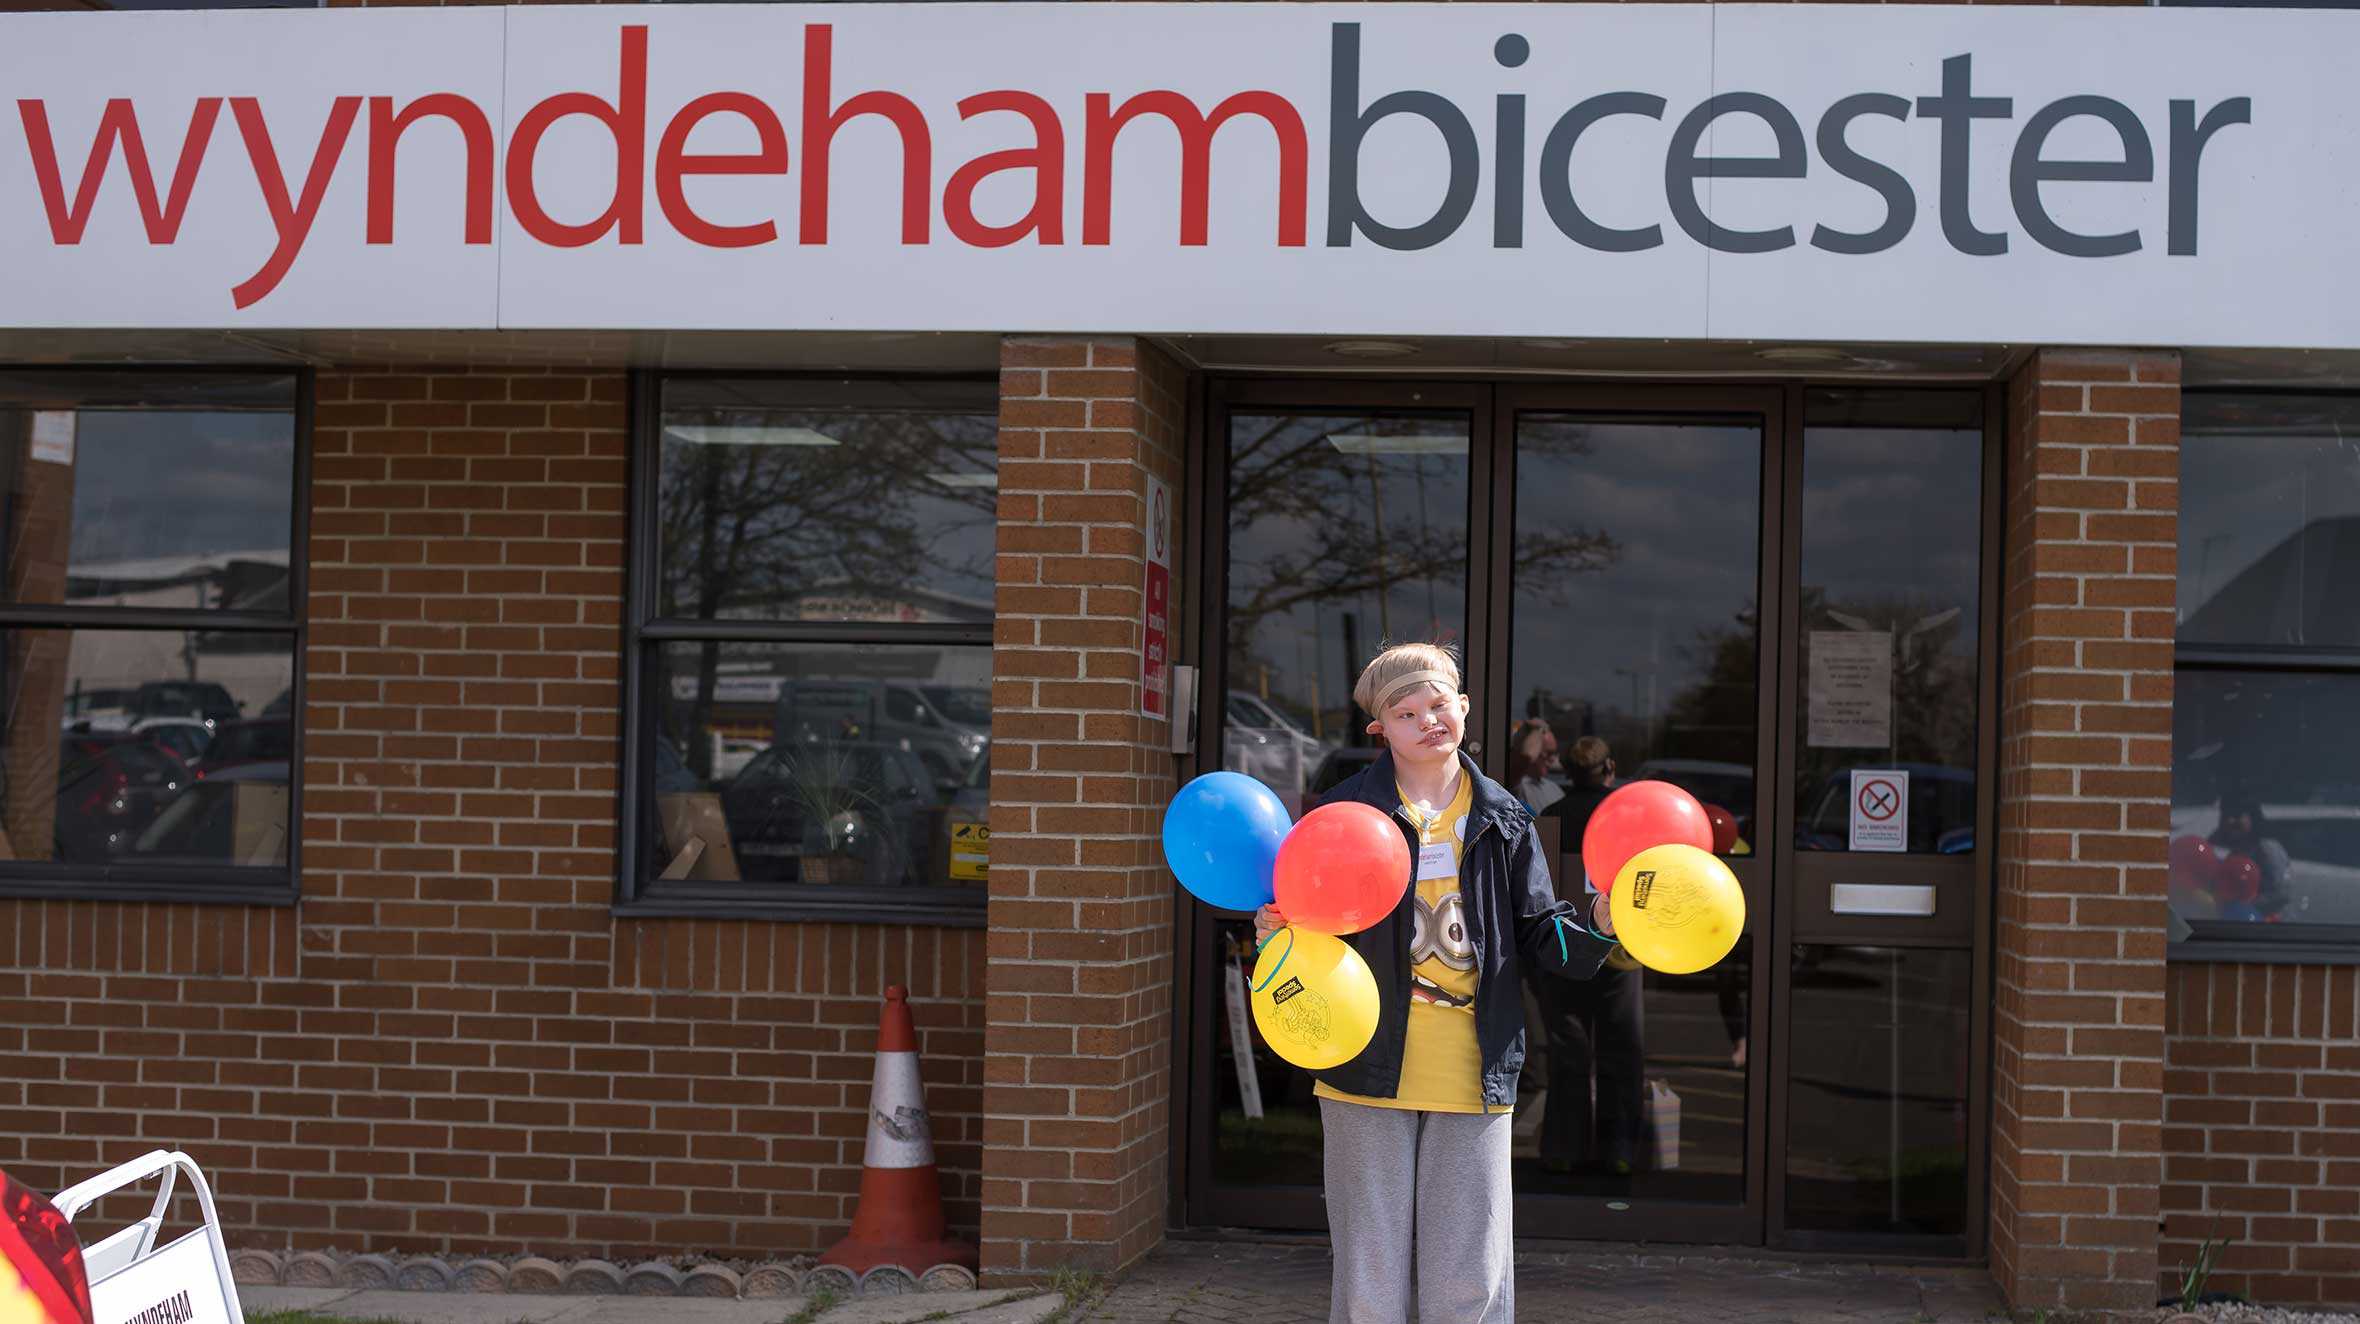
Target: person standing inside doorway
[
  {"x": 1594, "y": 1028},
  {"x": 1417, "y": 1127}
]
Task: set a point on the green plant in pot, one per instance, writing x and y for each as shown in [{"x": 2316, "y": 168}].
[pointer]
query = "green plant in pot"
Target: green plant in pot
[{"x": 844, "y": 818}]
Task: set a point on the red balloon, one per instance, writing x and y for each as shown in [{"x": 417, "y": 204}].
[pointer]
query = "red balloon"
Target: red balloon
[
  {"x": 2239, "y": 880},
  {"x": 2193, "y": 861},
  {"x": 1639, "y": 816},
  {"x": 1341, "y": 868},
  {"x": 1724, "y": 828}
]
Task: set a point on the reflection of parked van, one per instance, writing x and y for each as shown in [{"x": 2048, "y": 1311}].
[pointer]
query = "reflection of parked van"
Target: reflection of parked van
[{"x": 947, "y": 726}]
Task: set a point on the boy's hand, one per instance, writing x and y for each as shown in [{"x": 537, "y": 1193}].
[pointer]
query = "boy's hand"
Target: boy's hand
[
  {"x": 1601, "y": 916},
  {"x": 1267, "y": 921}
]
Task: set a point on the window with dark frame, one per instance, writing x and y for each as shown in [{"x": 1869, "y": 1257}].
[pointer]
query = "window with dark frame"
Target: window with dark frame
[
  {"x": 151, "y": 590},
  {"x": 2265, "y": 814},
  {"x": 810, "y": 646}
]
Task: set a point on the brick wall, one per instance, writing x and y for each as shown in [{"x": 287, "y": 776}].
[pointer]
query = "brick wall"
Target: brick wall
[
  {"x": 1078, "y": 1083},
  {"x": 2261, "y": 1136},
  {"x": 452, "y": 1044},
  {"x": 2085, "y": 768}
]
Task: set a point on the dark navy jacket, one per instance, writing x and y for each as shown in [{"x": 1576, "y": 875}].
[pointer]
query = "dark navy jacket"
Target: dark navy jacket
[{"x": 1513, "y": 917}]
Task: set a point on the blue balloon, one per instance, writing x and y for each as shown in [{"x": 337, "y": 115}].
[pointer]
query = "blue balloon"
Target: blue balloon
[{"x": 1221, "y": 836}]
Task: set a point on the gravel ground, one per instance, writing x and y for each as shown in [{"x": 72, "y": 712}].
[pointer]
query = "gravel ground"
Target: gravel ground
[{"x": 2233, "y": 1314}]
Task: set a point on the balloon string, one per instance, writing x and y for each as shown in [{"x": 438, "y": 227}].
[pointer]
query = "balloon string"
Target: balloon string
[
  {"x": 1564, "y": 957},
  {"x": 1289, "y": 931}
]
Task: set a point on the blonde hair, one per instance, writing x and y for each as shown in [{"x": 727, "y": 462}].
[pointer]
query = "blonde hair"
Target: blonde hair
[{"x": 1401, "y": 669}]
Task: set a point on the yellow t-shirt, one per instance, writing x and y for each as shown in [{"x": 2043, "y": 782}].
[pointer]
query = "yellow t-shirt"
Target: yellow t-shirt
[{"x": 1441, "y": 1060}]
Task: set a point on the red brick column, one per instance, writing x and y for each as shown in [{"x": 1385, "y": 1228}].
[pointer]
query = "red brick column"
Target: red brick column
[
  {"x": 2085, "y": 758},
  {"x": 1077, "y": 1071}
]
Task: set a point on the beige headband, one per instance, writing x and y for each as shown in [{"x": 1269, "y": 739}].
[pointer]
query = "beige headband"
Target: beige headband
[{"x": 1443, "y": 680}]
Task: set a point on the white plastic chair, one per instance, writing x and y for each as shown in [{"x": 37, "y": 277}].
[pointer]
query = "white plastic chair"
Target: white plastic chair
[{"x": 129, "y": 1273}]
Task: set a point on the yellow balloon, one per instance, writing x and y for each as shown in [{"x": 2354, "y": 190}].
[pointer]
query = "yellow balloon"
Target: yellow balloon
[
  {"x": 1314, "y": 999},
  {"x": 1678, "y": 909}
]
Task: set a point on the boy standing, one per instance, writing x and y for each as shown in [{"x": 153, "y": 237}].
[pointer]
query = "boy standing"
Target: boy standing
[{"x": 1417, "y": 1127}]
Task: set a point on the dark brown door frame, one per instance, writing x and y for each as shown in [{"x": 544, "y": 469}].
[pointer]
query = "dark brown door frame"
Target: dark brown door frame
[
  {"x": 1204, "y": 1202},
  {"x": 1763, "y": 406},
  {"x": 1491, "y": 408},
  {"x": 1962, "y": 883}
]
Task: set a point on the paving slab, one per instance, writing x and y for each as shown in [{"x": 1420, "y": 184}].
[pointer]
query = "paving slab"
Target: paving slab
[
  {"x": 517, "y": 1307},
  {"x": 1002, "y": 1306},
  {"x": 1249, "y": 1283}
]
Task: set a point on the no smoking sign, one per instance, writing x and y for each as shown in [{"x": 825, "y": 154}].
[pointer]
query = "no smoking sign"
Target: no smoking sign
[{"x": 1880, "y": 811}]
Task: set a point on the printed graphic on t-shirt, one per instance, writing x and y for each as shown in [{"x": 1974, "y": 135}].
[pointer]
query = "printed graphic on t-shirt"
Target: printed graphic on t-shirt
[
  {"x": 1442, "y": 955},
  {"x": 1439, "y": 938}
]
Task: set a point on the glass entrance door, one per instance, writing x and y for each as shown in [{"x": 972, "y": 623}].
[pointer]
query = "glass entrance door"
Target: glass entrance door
[
  {"x": 1631, "y": 571},
  {"x": 1604, "y": 557}
]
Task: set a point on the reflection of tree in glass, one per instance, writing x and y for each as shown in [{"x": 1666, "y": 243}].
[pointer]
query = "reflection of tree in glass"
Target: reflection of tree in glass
[
  {"x": 1714, "y": 718},
  {"x": 745, "y": 527},
  {"x": 1317, "y": 524}
]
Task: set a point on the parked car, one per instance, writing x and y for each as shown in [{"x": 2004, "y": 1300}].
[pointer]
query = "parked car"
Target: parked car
[
  {"x": 97, "y": 709},
  {"x": 947, "y": 727},
  {"x": 1941, "y": 810},
  {"x": 110, "y": 786},
  {"x": 853, "y": 804},
  {"x": 1712, "y": 782},
  {"x": 202, "y": 824},
  {"x": 1263, "y": 743},
  {"x": 185, "y": 738},
  {"x": 255, "y": 740},
  {"x": 204, "y": 700},
  {"x": 1339, "y": 764}
]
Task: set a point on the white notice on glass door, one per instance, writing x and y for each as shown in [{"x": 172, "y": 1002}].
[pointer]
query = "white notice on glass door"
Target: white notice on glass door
[{"x": 1851, "y": 693}]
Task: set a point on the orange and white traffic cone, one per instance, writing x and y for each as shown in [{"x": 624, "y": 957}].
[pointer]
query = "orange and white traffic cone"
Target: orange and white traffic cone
[{"x": 899, "y": 1221}]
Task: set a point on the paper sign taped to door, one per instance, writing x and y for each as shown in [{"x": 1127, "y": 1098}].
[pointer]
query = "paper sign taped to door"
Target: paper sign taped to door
[
  {"x": 1850, "y": 700},
  {"x": 53, "y": 436}
]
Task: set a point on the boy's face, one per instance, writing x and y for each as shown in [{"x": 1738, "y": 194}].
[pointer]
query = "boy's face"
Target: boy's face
[{"x": 1424, "y": 725}]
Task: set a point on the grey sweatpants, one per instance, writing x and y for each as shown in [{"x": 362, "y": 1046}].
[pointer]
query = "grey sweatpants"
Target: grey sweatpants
[{"x": 1443, "y": 1176}]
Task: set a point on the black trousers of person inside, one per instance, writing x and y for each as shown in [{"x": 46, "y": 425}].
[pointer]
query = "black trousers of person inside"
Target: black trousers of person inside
[{"x": 1593, "y": 1026}]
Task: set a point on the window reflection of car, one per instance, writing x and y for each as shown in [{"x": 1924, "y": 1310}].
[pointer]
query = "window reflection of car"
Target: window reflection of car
[
  {"x": 1941, "y": 810},
  {"x": 110, "y": 786},
  {"x": 1336, "y": 767},
  {"x": 829, "y": 798},
  {"x": 730, "y": 757},
  {"x": 184, "y": 737},
  {"x": 256, "y": 740},
  {"x": 1712, "y": 782},
  {"x": 2322, "y": 844},
  {"x": 222, "y": 820},
  {"x": 946, "y": 726},
  {"x": 97, "y": 709},
  {"x": 1265, "y": 744},
  {"x": 204, "y": 700}
]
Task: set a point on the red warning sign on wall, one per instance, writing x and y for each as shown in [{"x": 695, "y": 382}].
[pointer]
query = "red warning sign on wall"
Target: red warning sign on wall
[{"x": 1155, "y": 641}]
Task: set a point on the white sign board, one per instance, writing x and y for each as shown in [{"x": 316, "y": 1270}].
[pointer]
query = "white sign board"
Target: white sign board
[
  {"x": 1880, "y": 811},
  {"x": 176, "y": 1285},
  {"x": 1241, "y": 1039},
  {"x": 53, "y": 436},
  {"x": 1929, "y": 173},
  {"x": 1850, "y": 696}
]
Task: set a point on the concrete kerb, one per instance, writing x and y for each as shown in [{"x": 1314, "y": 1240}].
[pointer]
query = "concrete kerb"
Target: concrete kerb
[{"x": 1020, "y": 1306}]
